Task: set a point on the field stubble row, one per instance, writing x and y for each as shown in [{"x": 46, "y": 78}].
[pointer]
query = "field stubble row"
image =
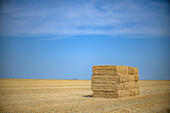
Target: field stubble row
[{"x": 76, "y": 96}]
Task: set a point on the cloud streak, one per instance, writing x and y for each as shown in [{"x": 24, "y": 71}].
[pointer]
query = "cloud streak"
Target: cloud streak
[{"x": 64, "y": 18}]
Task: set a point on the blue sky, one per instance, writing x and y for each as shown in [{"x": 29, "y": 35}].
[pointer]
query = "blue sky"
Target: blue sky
[{"x": 64, "y": 39}]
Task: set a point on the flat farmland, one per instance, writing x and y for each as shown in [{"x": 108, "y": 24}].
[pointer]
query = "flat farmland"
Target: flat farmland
[{"x": 34, "y": 95}]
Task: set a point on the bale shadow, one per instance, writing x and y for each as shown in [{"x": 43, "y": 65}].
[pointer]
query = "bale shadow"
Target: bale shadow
[
  {"x": 88, "y": 96},
  {"x": 168, "y": 110}
]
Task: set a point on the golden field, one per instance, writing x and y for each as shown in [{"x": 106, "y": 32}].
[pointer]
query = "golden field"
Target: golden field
[{"x": 34, "y": 95}]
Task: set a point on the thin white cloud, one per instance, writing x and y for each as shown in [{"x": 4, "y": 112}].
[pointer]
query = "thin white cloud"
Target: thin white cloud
[{"x": 85, "y": 18}]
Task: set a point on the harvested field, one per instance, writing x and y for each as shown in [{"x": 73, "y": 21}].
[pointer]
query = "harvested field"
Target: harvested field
[{"x": 23, "y": 95}]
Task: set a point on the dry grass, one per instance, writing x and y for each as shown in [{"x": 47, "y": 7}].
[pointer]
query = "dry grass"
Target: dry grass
[
  {"x": 111, "y": 81},
  {"x": 75, "y": 96}
]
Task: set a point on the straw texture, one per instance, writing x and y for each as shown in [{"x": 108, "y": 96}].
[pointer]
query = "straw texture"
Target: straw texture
[{"x": 111, "y": 81}]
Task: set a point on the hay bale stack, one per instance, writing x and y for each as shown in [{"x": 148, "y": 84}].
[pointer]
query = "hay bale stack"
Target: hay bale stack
[{"x": 110, "y": 81}]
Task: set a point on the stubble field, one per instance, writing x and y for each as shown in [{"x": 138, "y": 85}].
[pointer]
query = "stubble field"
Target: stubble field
[{"x": 31, "y": 95}]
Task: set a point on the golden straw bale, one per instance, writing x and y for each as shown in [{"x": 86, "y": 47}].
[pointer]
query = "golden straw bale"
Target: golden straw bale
[
  {"x": 127, "y": 78},
  {"x": 136, "y": 85},
  {"x": 136, "y": 78},
  {"x": 121, "y": 86},
  {"x": 105, "y": 94},
  {"x": 104, "y": 88},
  {"x": 125, "y": 69},
  {"x": 105, "y": 67},
  {"x": 131, "y": 78},
  {"x": 133, "y": 71},
  {"x": 110, "y": 81},
  {"x": 127, "y": 93},
  {"x": 137, "y": 92},
  {"x": 97, "y": 76},
  {"x": 105, "y": 83},
  {"x": 108, "y": 69},
  {"x": 118, "y": 78},
  {"x": 127, "y": 85},
  {"x": 121, "y": 93},
  {"x": 134, "y": 92}
]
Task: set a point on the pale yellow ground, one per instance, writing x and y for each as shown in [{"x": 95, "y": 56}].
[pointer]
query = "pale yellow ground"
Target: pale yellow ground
[{"x": 22, "y": 96}]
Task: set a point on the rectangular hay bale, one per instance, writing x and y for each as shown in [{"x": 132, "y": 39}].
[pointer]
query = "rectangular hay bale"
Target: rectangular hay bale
[
  {"x": 133, "y": 71},
  {"x": 108, "y": 69},
  {"x": 118, "y": 78},
  {"x": 103, "y": 88},
  {"x": 105, "y": 94},
  {"x": 110, "y": 81},
  {"x": 136, "y": 77}
]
